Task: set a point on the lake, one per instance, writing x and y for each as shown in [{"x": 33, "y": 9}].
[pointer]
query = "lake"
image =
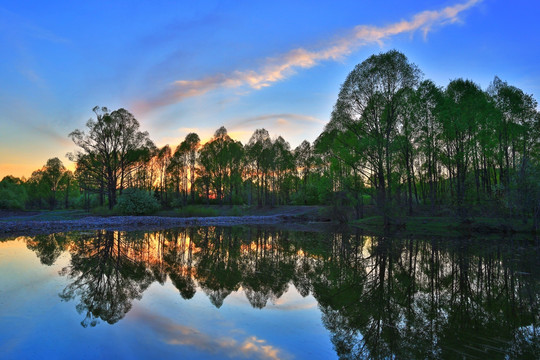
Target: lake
[{"x": 267, "y": 293}]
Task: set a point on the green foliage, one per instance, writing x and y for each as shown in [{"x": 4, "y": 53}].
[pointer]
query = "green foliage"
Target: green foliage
[
  {"x": 407, "y": 143},
  {"x": 111, "y": 148},
  {"x": 196, "y": 211},
  {"x": 12, "y": 193},
  {"x": 136, "y": 202}
]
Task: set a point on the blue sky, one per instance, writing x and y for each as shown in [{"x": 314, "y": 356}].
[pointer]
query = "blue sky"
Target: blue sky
[{"x": 194, "y": 66}]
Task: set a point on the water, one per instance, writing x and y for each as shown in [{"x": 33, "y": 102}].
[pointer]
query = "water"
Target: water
[{"x": 263, "y": 293}]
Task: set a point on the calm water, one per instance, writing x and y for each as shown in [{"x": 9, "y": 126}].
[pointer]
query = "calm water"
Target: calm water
[{"x": 258, "y": 293}]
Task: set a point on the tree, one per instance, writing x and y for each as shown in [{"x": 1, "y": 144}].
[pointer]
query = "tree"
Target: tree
[
  {"x": 52, "y": 174},
  {"x": 366, "y": 113},
  {"x": 257, "y": 153},
  {"x": 464, "y": 104},
  {"x": 190, "y": 146},
  {"x": 114, "y": 145},
  {"x": 215, "y": 166},
  {"x": 427, "y": 102},
  {"x": 163, "y": 161},
  {"x": 303, "y": 155},
  {"x": 13, "y": 194}
]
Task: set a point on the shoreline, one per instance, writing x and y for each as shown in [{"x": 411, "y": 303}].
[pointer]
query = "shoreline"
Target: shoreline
[
  {"x": 128, "y": 223},
  {"x": 414, "y": 225}
]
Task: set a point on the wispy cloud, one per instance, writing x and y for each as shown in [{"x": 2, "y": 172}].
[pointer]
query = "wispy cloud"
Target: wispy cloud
[
  {"x": 280, "y": 67},
  {"x": 50, "y": 132},
  {"x": 13, "y": 23},
  {"x": 279, "y": 119}
]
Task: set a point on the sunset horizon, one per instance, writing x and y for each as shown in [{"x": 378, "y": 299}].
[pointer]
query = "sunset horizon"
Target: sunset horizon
[{"x": 277, "y": 66}]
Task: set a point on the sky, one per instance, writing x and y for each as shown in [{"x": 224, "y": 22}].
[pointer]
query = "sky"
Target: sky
[{"x": 187, "y": 66}]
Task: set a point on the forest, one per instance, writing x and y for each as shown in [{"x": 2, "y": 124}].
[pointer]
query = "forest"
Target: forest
[{"x": 395, "y": 143}]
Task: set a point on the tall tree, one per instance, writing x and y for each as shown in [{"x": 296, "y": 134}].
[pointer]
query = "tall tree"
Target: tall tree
[
  {"x": 52, "y": 174},
  {"x": 114, "y": 143},
  {"x": 257, "y": 153},
  {"x": 367, "y": 108},
  {"x": 190, "y": 147},
  {"x": 426, "y": 105},
  {"x": 463, "y": 110}
]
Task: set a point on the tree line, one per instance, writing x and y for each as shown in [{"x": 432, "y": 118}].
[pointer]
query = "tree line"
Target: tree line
[{"x": 394, "y": 141}]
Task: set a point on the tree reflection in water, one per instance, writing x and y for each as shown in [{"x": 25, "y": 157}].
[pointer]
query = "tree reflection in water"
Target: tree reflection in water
[
  {"x": 107, "y": 275},
  {"x": 380, "y": 297}
]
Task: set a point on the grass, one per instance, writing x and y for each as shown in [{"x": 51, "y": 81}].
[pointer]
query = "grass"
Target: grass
[
  {"x": 196, "y": 211},
  {"x": 103, "y": 211},
  {"x": 47, "y": 215},
  {"x": 445, "y": 226}
]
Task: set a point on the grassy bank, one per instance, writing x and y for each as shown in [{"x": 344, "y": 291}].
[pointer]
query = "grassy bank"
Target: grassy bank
[{"x": 445, "y": 226}]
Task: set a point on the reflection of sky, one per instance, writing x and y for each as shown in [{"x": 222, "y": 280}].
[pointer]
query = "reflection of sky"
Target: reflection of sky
[
  {"x": 290, "y": 328},
  {"x": 193, "y": 66},
  {"x": 34, "y": 323}
]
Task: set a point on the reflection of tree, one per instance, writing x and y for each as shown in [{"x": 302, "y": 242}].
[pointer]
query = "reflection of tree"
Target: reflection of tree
[
  {"x": 380, "y": 297},
  {"x": 267, "y": 268},
  {"x": 105, "y": 278},
  {"x": 48, "y": 247},
  {"x": 428, "y": 300},
  {"x": 178, "y": 259},
  {"x": 218, "y": 268}
]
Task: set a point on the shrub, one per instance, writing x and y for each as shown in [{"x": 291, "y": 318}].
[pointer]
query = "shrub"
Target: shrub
[
  {"x": 177, "y": 202},
  {"x": 136, "y": 202},
  {"x": 237, "y": 211}
]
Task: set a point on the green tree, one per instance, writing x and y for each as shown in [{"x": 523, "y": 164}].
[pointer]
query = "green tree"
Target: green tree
[
  {"x": 214, "y": 159},
  {"x": 366, "y": 113},
  {"x": 13, "y": 193},
  {"x": 463, "y": 111},
  {"x": 428, "y": 129},
  {"x": 53, "y": 173},
  {"x": 114, "y": 144},
  {"x": 190, "y": 146},
  {"x": 257, "y": 150}
]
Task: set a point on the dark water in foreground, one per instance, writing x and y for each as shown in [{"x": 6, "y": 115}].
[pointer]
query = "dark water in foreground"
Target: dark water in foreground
[{"x": 258, "y": 293}]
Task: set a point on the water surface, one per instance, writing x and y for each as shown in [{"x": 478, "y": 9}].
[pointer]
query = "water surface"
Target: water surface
[{"x": 262, "y": 293}]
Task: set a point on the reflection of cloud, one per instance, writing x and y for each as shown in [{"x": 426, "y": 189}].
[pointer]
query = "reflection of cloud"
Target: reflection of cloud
[
  {"x": 281, "y": 67},
  {"x": 175, "y": 334},
  {"x": 294, "y": 306}
]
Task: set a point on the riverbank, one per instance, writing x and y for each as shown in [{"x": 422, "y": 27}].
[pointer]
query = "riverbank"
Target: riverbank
[
  {"x": 47, "y": 222},
  {"x": 446, "y": 226},
  {"x": 301, "y": 217}
]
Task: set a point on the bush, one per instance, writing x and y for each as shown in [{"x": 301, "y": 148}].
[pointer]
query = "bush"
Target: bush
[
  {"x": 136, "y": 202},
  {"x": 237, "y": 211},
  {"x": 11, "y": 200}
]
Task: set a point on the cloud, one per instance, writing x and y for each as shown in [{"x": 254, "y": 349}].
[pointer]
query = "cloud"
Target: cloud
[
  {"x": 50, "y": 132},
  {"x": 14, "y": 23},
  {"x": 280, "y": 119},
  {"x": 281, "y": 67}
]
